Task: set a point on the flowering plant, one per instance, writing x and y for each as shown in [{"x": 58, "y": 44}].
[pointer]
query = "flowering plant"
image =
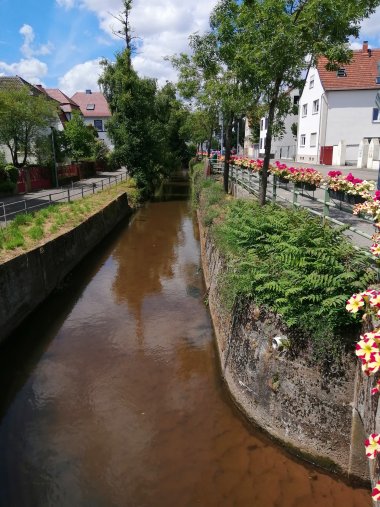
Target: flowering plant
[
  {"x": 306, "y": 175},
  {"x": 349, "y": 184}
]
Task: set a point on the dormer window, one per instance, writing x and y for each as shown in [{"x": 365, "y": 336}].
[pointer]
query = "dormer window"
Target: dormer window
[
  {"x": 341, "y": 72},
  {"x": 378, "y": 80},
  {"x": 90, "y": 107}
]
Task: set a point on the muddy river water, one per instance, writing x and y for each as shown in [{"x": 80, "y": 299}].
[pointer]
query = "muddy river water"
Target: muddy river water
[{"x": 111, "y": 394}]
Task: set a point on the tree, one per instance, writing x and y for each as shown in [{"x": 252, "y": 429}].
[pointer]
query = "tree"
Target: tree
[
  {"x": 210, "y": 75},
  {"x": 24, "y": 115},
  {"x": 277, "y": 42},
  {"x": 79, "y": 137}
]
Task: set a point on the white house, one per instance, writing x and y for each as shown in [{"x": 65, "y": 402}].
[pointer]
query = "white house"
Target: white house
[
  {"x": 339, "y": 107},
  {"x": 95, "y": 111},
  {"x": 285, "y": 146}
]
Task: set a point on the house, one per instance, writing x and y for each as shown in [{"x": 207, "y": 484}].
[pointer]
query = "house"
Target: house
[
  {"x": 283, "y": 146},
  {"x": 67, "y": 105},
  {"x": 340, "y": 108},
  {"x": 16, "y": 82},
  {"x": 95, "y": 111}
]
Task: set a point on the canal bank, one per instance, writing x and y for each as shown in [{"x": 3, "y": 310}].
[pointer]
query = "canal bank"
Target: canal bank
[{"x": 117, "y": 399}]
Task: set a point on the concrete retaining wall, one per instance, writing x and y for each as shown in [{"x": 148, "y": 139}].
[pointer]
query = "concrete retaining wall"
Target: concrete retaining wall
[
  {"x": 28, "y": 279},
  {"x": 294, "y": 402}
]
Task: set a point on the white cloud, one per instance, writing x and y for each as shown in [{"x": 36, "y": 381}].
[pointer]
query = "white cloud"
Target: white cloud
[
  {"x": 81, "y": 77},
  {"x": 31, "y": 69},
  {"x": 26, "y": 49},
  {"x": 67, "y": 4},
  {"x": 370, "y": 27}
]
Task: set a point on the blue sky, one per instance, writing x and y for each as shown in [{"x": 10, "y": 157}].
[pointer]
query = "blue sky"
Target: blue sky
[{"x": 59, "y": 42}]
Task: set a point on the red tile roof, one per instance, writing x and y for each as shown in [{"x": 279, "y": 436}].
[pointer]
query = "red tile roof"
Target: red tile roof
[
  {"x": 63, "y": 99},
  {"x": 361, "y": 73},
  {"x": 101, "y": 108}
]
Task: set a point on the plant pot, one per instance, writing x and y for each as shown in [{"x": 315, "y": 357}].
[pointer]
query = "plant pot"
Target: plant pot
[
  {"x": 336, "y": 194},
  {"x": 353, "y": 199},
  {"x": 309, "y": 187}
]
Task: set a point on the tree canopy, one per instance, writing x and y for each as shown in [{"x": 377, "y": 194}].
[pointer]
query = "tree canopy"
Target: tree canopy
[{"x": 23, "y": 117}]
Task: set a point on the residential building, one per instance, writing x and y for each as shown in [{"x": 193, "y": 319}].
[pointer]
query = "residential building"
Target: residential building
[
  {"x": 95, "y": 111},
  {"x": 340, "y": 107},
  {"x": 67, "y": 105},
  {"x": 283, "y": 146}
]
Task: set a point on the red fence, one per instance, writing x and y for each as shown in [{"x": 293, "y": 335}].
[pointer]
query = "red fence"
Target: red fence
[{"x": 33, "y": 178}]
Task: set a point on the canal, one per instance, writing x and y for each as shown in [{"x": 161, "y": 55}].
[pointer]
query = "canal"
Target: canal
[{"x": 111, "y": 394}]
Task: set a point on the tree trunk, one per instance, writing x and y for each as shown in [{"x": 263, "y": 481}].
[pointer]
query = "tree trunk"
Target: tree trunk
[
  {"x": 268, "y": 144},
  {"x": 227, "y": 147},
  {"x": 209, "y": 143}
]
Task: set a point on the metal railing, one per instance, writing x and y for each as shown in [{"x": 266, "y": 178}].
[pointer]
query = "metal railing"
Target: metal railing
[
  {"x": 289, "y": 194},
  {"x": 9, "y": 210}
]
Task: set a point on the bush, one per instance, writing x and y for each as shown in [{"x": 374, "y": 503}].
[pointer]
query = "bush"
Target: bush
[
  {"x": 13, "y": 173},
  {"x": 7, "y": 187},
  {"x": 288, "y": 262}
]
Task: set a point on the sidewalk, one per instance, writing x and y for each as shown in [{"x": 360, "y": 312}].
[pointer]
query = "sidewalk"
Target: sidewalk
[
  {"x": 364, "y": 174},
  {"x": 12, "y": 205}
]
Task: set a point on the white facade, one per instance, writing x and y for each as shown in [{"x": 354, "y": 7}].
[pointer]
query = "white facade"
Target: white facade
[
  {"x": 99, "y": 123},
  {"x": 284, "y": 147},
  {"x": 311, "y": 122},
  {"x": 343, "y": 116}
]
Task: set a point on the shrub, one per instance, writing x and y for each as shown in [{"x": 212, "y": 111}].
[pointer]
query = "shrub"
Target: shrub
[
  {"x": 7, "y": 186},
  {"x": 13, "y": 173}
]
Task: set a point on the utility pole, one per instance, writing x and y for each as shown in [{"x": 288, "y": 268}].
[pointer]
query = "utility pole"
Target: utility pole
[{"x": 55, "y": 158}]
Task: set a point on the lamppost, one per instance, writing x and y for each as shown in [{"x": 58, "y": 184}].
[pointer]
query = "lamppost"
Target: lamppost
[{"x": 55, "y": 159}]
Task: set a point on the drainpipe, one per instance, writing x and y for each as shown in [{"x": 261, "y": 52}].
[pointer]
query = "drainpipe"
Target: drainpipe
[{"x": 321, "y": 118}]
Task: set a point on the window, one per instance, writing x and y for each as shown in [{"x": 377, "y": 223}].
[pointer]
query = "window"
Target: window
[
  {"x": 98, "y": 124},
  {"x": 376, "y": 114},
  {"x": 303, "y": 140},
  {"x": 378, "y": 80},
  {"x": 311, "y": 84},
  {"x": 261, "y": 143},
  {"x": 296, "y": 100},
  {"x": 262, "y": 125},
  {"x": 304, "y": 110},
  {"x": 90, "y": 107},
  {"x": 341, "y": 72},
  {"x": 315, "y": 106},
  {"x": 313, "y": 140}
]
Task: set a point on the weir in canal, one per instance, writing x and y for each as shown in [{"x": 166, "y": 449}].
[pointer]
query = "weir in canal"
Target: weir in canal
[{"x": 111, "y": 395}]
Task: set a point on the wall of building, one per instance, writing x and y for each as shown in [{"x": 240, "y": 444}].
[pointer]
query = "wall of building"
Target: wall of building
[
  {"x": 312, "y": 122},
  {"x": 101, "y": 134}
]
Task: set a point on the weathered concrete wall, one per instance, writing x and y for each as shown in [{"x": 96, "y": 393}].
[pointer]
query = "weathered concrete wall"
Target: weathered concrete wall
[
  {"x": 292, "y": 401},
  {"x": 28, "y": 279}
]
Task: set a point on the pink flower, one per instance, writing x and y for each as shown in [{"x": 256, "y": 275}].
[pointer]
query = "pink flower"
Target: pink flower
[
  {"x": 374, "y": 300},
  {"x": 375, "y": 249},
  {"x": 374, "y": 364},
  {"x": 376, "y": 492},
  {"x": 366, "y": 348},
  {"x": 355, "y": 303},
  {"x": 372, "y": 446},
  {"x": 376, "y": 389}
]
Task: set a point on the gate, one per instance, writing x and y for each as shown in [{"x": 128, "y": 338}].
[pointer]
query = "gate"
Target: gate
[{"x": 326, "y": 155}]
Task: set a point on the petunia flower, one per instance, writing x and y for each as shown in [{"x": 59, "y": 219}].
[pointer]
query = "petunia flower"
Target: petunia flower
[
  {"x": 372, "y": 446},
  {"x": 375, "y": 249},
  {"x": 376, "y": 492},
  {"x": 376, "y": 389},
  {"x": 366, "y": 348},
  {"x": 355, "y": 303},
  {"x": 374, "y": 300},
  {"x": 374, "y": 363}
]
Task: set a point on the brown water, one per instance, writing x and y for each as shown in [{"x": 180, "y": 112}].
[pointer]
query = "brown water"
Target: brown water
[{"x": 111, "y": 394}]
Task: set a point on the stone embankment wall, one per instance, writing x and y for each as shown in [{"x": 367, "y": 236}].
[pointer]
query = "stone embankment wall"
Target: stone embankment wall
[
  {"x": 28, "y": 279},
  {"x": 312, "y": 413}
]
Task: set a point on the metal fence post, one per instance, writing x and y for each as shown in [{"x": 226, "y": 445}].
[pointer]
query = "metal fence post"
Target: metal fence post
[
  {"x": 68, "y": 195},
  {"x": 295, "y": 196},
  {"x": 5, "y": 215},
  {"x": 82, "y": 191},
  {"x": 25, "y": 205},
  {"x": 326, "y": 205},
  {"x": 50, "y": 198},
  {"x": 274, "y": 191},
  {"x": 102, "y": 184}
]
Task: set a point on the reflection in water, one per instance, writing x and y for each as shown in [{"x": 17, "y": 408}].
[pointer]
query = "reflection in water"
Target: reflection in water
[{"x": 121, "y": 403}]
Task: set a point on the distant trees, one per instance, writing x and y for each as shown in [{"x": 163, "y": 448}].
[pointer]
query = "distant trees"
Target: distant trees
[{"x": 23, "y": 115}]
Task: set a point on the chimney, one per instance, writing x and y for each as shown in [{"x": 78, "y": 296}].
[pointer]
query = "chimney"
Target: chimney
[
  {"x": 88, "y": 92},
  {"x": 365, "y": 47}
]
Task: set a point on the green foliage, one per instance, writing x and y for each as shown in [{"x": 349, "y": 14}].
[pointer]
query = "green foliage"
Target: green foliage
[
  {"x": 3, "y": 160},
  {"x": 79, "y": 138},
  {"x": 287, "y": 261},
  {"x": 12, "y": 172},
  {"x": 7, "y": 187},
  {"x": 101, "y": 151},
  {"x": 23, "y": 114}
]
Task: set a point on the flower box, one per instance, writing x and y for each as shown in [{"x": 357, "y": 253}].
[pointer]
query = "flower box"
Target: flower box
[
  {"x": 310, "y": 187},
  {"x": 336, "y": 194},
  {"x": 282, "y": 179},
  {"x": 353, "y": 199}
]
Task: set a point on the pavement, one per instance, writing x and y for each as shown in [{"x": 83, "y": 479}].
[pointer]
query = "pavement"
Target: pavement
[{"x": 11, "y": 206}]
